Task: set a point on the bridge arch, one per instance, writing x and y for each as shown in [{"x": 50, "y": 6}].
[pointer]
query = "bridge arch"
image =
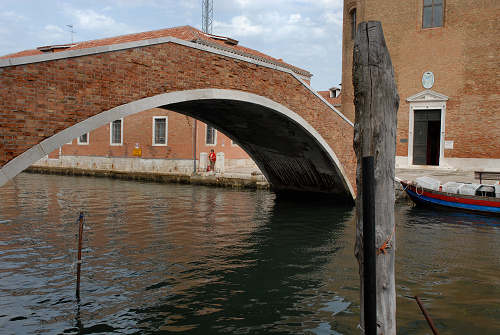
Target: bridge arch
[{"x": 291, "y": 153}]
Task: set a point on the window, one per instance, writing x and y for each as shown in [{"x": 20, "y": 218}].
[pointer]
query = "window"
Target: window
[
  {"x": 116, "y": 132},
  {"x": 334, "y": 92},
  {"x": 211, "y": 136},
  {"x": 84, "y": 139},
  {"x": 433, "y": 14},
  {"x": 353, "y": 23},
  {"x": 160, "y": 130}
]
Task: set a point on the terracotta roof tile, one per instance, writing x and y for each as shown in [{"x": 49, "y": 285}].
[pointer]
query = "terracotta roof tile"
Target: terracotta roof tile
[{"x": 186, "y": 33}]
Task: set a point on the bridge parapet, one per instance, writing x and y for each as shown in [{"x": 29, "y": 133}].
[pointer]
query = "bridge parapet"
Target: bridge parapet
[{"x": 41, "y": 96}]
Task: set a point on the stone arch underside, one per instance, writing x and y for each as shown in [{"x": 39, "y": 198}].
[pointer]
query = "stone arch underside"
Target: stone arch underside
[{"x": 289, "y": 151}]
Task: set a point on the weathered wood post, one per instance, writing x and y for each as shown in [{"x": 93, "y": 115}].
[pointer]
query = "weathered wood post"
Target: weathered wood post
[
  {"x": 376, "y": 103},
  {"x": 79, "y": 262}
]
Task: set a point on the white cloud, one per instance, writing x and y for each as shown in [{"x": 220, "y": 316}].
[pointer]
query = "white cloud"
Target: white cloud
[
  {"x": 89, "y": 20},
  {"x": 325, "y": 4},
  {"x": 294, "y": 18},
  {"x": 52, "y": 28},
  {"x": 240, "y": 26},
  {"x": 12, "y": 16},
  {"x": 52, "y": 34},
  {"x": 136, "y": 3},
  {"x": 285, "y": 4},
  {"x": 164, "y": 4},
  {"x": 243, "y": 3},
  {"x": 334, "y": 17}
]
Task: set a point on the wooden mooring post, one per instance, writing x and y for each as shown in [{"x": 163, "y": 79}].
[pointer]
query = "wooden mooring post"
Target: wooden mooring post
[
  {"x": 376, "y": 103},
  {"x": 79, "y": 261}
]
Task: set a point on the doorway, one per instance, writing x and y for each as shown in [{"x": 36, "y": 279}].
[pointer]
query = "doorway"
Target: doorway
[{"x": 427, "y": 137}]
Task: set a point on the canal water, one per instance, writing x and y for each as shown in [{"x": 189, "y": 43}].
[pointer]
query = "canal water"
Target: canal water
[{"x": 184, "y": 259}]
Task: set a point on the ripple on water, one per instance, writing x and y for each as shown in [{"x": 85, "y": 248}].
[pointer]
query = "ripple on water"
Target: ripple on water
[{"x": 191, "y": 259}]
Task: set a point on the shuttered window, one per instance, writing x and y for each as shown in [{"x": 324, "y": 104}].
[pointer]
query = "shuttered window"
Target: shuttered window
[
  {"x": 116, "y": 132},
  {"x": 211, "y": 134},
  {"x": 160, "y": 130},
  {"x": 432, "y": 14}
]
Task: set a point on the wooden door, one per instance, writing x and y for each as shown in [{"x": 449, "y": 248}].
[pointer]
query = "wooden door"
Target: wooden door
[{"x": 425, "y": 144}]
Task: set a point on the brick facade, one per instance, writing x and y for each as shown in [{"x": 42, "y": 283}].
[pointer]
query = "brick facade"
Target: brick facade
[
  {"x": 463, "y": 56},
  {"x": 40, "y": 99},
  {"x": 138, "y": 130}
]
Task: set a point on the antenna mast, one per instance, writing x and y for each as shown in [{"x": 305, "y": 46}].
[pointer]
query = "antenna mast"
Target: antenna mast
[
  {"x": 207, "y": 15},
  {"x": 70, "y": 26}
]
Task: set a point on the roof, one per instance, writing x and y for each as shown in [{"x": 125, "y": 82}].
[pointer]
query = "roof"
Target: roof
[
  {"x": 332, "y": 101},
  {"x": 186, "y": 33}
]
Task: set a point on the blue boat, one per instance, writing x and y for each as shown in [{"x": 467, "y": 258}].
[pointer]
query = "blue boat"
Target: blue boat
[{"x": 485, "y": 200}]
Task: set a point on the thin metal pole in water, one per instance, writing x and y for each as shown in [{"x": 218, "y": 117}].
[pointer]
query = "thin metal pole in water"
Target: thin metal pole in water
[
  {"x": 79, "y": 262},
  {"x": 427, "y": 317},
  {"x": 195, "y": 131},
  {"x": 369, "y": 255}
]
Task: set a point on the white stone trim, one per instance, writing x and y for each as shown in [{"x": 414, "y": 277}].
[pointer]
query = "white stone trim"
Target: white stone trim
[
  {"x": 24, "y": 160},
  {"x": 427, "y": 99},
  {"x": 111, "y": 133},
  {"x": 428, "y": 96},
  {"x": 473, "y": 164},
  {"x": 161, "y": 40},
  {"x": 3, "y": 178},
  {"x": 153, "y": 130},
  {"x": 460, "y": 164}
]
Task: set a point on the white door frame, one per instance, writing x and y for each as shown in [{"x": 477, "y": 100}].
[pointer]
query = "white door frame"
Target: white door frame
[{"x": 427, "y": 99}]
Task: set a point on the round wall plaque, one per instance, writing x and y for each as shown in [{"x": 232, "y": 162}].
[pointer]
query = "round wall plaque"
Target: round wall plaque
[{"x": 428, "y": 79}]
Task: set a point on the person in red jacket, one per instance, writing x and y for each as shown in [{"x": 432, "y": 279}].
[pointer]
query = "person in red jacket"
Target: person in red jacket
[{"x": 212, "y": 158}]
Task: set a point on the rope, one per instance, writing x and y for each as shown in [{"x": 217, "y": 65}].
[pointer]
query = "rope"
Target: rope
[
  {"x": 387, "y": 244},
  {"x": 399, "y": 180},
  {"x": 406, "y": 187},
  {"x": 416, "y": 190}
]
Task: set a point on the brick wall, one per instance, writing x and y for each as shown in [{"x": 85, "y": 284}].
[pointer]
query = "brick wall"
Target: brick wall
[
  {"x": 39, "y": 100},
  {"x": 463, "y": 55},
  {"x": 138, "y": 128}
]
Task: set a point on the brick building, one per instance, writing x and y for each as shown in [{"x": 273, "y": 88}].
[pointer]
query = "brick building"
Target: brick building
[
  {"x": 445, "y": 58},
  {"x": 156, "y": 140}
]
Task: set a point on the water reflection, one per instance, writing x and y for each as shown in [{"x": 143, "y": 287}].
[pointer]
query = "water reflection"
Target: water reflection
[
  {"x": 450, "y": 260},
  {"x": 256, "y": 282},
  {"x": 166, "y": 258},
  {"x": 175, "y": 258}
]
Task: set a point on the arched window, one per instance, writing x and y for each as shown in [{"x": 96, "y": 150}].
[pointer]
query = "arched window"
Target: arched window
[{"x": 432, "y": 15}]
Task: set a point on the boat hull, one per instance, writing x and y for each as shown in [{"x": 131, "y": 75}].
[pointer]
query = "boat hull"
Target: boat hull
[{"x": 427, "y": 197}]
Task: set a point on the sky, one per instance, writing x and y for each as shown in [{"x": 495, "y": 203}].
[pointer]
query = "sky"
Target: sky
[{"x": 304, "y": 33}]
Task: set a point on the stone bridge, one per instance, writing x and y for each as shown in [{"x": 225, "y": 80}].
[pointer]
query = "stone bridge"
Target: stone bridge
[{"x": 298, "y": 140}]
